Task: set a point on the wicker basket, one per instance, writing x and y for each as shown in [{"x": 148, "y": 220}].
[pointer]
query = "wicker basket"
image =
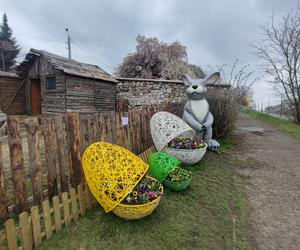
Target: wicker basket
[
  {"x": 187, "y": 156},
  {"x": 177, "y": 186},
  {"x": 164, "y": 127},
  {"x": 111, "y": 172},
  {"x": 135, "y": 212},
  {"x": 160, "y": 166}
]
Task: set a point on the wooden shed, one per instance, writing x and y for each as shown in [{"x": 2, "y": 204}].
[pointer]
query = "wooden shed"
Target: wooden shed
[
  {"x": 12, "y": 94},
  {"x": 55, "y": 84}
]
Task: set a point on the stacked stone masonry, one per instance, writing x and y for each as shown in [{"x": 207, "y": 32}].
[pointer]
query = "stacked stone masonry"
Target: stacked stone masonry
[{"x": 141, "y": 92}]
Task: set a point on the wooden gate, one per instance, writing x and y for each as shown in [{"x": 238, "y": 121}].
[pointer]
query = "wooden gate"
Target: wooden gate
[{"x": 36, "y": 108}]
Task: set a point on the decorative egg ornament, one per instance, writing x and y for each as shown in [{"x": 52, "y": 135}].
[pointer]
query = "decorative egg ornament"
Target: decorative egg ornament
[
  {"x": 111, "y": 173},
  {"x": 166, "y": 126}
]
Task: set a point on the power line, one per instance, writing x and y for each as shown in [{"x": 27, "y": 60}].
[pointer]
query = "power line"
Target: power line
[
  {"x": 39, "y": 37},
  {"x": 55, "y": 45},
  {"x": 87, "y": 51}
]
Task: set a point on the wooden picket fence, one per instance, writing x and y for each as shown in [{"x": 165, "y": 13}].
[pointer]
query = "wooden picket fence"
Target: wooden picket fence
[
  {"x": 40, "y": 160},
  {"x": 40, "y": 224}
]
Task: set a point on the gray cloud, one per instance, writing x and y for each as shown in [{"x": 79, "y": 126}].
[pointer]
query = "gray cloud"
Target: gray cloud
[{"x": 215, "y": 32}]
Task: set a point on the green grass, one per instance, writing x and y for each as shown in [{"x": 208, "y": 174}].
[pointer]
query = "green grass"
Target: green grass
[
  {"x": 200, "y": 217},
  {"x": 283, "y": 125}
]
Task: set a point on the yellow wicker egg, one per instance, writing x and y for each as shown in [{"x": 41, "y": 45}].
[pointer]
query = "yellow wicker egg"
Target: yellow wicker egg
[
  {"x": 135, "y": 212},
  {"x": 111, "y": 172}
]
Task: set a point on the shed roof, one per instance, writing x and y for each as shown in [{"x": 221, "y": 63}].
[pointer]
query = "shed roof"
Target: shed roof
[
  {"x": 8, "y": 74},
  {"x": 68, "y": 66}
]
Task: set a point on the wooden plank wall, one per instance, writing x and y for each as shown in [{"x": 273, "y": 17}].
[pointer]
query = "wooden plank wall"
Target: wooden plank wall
[
  {"x": 80, "y": 94},
  {"x": 8, "y": 88},
  {"x": 105, "y": 96},
  {"x": 53, "y": 100}
]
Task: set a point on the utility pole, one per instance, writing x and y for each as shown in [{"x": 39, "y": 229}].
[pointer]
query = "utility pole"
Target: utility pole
[{"x": 68, "y": 43}]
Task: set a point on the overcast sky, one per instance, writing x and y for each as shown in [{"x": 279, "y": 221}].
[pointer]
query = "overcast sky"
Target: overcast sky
[{"x": 215, "y": 32}]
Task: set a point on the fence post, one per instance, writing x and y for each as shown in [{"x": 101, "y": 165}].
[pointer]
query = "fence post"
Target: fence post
[
  {"x": 47, "y": 219},
  {"x": 11, "y": 234},
  {"x": 50, "y": 154},
  {"x": 17, "y": 164},
  {"x": 66, "y": 208},
  {"x": 26, "y": 231},
  {"x": 84, "y": 133},
  {"x": 36, "y": 226},
  {"x": 132, "y": 131},
  {"x": 81, "y": 199},
  {"x": 34, "y": 159},
  {"x": 74, "y": 140},
  {"x": 62, "y": 152},
  {"x": 102, "y": 126},
  {"x": 95, "y": 127},
  {"x": 57, "y": 213},
  {"x": 3, "y": 198},
  {"x": 112, "y": 127},
  {"x": 74, "y": 204},
  {"x": 90, "y": 129}
]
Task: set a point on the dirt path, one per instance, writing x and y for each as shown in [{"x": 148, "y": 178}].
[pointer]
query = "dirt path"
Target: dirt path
[{"x": 273, "y": 185}]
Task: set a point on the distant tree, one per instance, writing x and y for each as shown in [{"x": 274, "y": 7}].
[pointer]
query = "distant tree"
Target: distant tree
[
  {"x": 9, "y": 49},
  {"x": 280, "y": 52},
  {"x": 156, "y": 59}
]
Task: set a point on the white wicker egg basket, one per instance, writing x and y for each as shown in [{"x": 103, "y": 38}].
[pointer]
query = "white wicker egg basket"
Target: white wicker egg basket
[{"x": 164, "y": 127}]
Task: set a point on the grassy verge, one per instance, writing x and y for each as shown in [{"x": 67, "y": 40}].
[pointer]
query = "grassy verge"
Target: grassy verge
[
  {"x": 283, "y": 125},
  {"x": 200, "y": 217}
]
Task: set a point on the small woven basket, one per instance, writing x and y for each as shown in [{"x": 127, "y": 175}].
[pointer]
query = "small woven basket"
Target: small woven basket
[
  {"x": 187, "y": 156},
  {"x": 166, "y": 126},
  {"x": 177, "y": 186},
  {"x": 160, "y": 166},
  {"x": 135, "y": 212}
]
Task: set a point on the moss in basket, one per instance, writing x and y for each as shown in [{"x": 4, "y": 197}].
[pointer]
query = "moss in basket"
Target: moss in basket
[
  {"x": 186, "y": 143},
  {"x": 145, "y": 191},
  {"x": 179, "y": 175}
]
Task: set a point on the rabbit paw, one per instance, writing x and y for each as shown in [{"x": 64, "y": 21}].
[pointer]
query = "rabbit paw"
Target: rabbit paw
[
  {"x": 213, "y": 145},
  {"x": 204, "y": 127}
]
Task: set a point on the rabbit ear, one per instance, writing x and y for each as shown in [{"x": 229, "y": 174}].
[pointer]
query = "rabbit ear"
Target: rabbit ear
[
  {"x": 187, "y": 80},
  {"x": 212, "y": 78}
]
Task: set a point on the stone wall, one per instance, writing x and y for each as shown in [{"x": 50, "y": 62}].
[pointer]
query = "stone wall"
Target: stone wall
[{"x": 140, "y": 92}]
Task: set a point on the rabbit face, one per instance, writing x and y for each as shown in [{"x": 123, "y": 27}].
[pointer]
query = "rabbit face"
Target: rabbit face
[{"x": 196, "y": 88}]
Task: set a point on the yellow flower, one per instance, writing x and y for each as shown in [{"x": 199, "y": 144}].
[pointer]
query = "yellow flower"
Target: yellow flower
[{"x": 134, "y": 193}]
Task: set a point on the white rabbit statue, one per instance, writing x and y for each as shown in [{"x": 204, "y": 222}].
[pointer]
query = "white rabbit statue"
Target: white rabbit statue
[{"x": 196, "y": 111}]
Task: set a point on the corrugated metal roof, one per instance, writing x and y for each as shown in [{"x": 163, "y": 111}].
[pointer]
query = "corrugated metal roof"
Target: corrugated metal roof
[{"x": 69, "y": 66}]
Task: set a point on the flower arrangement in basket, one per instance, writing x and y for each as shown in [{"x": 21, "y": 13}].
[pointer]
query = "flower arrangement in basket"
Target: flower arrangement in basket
[
  {"x": 173, "y": 135},
  {"x": 166, "y": 168},
  {"x": 116, "y": 177}
]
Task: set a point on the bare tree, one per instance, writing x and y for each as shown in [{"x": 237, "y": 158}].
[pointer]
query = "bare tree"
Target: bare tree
[
  {"x": 280, "y": 52},
  {"x": 240, "y": 78}
]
